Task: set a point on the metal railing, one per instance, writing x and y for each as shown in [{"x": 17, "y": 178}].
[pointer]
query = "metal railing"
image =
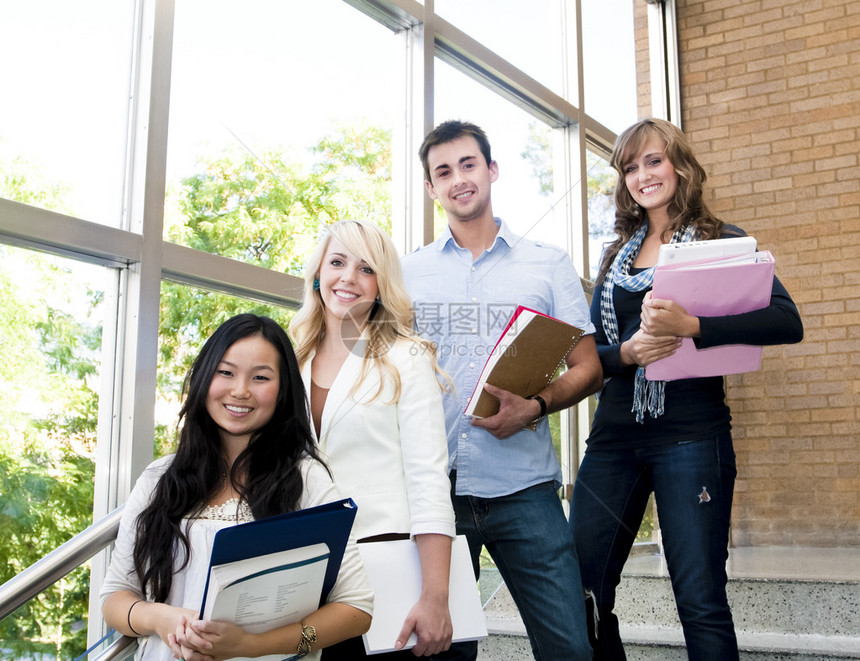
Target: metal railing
[
  {"x": 19, "y": 590},
  {"x": 120, "y": 649}
]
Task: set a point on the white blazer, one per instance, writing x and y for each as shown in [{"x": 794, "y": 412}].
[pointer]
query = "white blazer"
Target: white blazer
[{"x": 391, "y": 459}]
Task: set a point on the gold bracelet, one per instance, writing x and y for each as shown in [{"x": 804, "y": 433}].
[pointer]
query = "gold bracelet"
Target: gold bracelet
[
  {"x": 309, "y": 636},
  {"x": 309, "y": 633}
]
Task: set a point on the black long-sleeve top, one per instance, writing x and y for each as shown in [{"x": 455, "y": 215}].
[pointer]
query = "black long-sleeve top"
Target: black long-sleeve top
[{"x": 694, "y": 409}]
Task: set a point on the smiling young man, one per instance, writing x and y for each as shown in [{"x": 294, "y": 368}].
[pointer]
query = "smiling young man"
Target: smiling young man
[{"x": 505, "y": 477}]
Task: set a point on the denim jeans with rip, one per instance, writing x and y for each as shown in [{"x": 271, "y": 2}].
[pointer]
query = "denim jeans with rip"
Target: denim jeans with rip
[{"x": 693, "y": 484}]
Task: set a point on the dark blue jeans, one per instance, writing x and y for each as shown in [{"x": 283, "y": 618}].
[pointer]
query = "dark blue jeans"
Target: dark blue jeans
[
  {"x": 693, "y": 483},
  {"x": 529, "y": 540}
]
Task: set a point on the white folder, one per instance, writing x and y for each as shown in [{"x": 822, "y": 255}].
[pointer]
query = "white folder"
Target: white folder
[{"x": 394, "y": 571}]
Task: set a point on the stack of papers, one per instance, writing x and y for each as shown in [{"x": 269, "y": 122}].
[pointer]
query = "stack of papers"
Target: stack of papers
[{"x": 268, "y": 591}]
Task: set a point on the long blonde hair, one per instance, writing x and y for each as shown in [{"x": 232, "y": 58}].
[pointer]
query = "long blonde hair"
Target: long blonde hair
[{"x": 390, "y": 320}]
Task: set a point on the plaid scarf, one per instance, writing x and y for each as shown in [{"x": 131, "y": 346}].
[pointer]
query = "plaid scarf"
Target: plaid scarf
[{"x": 647, "y": 395}]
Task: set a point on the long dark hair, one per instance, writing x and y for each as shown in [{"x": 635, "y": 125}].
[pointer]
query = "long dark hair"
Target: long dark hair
[
  {"x": 688, "y": 205},
  {"x": 272, "y": 482}
]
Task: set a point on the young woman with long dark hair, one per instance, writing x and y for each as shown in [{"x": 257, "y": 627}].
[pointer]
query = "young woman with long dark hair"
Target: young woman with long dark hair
[{"x": 245, "y": 452}]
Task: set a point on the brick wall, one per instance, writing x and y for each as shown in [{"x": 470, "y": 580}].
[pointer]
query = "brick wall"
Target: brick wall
[{"x": 770, "y": 94}]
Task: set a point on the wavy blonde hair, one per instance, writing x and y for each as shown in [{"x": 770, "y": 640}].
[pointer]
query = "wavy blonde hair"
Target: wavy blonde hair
[{"x": 391, "y": 318}]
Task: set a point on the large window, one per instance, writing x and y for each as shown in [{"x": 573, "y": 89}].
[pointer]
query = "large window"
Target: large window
[
  {"x": 170, "y": 161},
  {"x": 272, "y": 130},
  {"x": 530, "y": 35},
  {"x": 64, "y": 72},
  {"x": 609, "y": 62},
  {"x": 51, "y": 340}
]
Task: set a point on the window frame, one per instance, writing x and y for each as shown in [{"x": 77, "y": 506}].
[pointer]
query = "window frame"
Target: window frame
[{"x": 142, "y": 259}]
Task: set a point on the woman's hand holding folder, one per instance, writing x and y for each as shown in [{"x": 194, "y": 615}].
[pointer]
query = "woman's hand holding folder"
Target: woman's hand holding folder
[{"x": 661, "y": 317}]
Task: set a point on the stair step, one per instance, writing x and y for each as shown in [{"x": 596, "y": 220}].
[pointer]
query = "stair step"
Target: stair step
[
  {"x": 508, "y": 642},
  {"x": 752, "y": 645},
  {"x": 797, "y": 619},
  {"x": 770, "y": 605},
  {"x": 661, "y": 647}
]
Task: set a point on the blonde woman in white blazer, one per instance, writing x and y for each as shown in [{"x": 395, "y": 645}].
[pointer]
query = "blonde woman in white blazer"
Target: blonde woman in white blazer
[{"x": 375, "y": 397}]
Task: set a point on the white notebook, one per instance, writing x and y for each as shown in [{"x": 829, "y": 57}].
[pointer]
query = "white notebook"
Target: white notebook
[{"x": 742, "y": 248}]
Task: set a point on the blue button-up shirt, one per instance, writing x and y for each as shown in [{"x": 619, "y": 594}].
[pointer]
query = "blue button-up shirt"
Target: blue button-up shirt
[{"x": 463, "y": 305}]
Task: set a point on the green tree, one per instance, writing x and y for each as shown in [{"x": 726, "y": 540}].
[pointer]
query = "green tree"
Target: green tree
[
  {"x": 357, "y": 159},
  {"x": 47, "y": 438},
  {"x": 264, "y": 211},
  {"x": 46, "y": 453},
  {"x": 601, "y": 189},
  {"x": 20, "y": 181}
]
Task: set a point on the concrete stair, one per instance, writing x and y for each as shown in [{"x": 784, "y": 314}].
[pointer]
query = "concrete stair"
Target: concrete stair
[{"x": 792, "y": 604}]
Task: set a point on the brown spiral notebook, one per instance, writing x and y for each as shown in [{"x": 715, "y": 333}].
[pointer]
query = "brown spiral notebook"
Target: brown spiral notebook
[{"x": 525, "y": 359}]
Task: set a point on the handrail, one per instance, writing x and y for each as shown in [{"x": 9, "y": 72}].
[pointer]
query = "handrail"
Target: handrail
[
  {"x": 118, "y": 649},
  {"x": 19, "y": 590}
]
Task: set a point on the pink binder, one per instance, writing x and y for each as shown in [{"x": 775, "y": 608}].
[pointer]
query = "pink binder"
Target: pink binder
[{"x": 711, "y": 290}]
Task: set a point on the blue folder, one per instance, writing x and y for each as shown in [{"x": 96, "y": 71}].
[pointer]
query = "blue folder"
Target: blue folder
[{"x": 329, "y": 523}]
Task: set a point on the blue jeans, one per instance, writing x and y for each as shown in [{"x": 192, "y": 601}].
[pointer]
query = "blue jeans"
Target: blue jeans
[
  {"x": 529, "y": 540},
  {"x": 693, "y": 483}
]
